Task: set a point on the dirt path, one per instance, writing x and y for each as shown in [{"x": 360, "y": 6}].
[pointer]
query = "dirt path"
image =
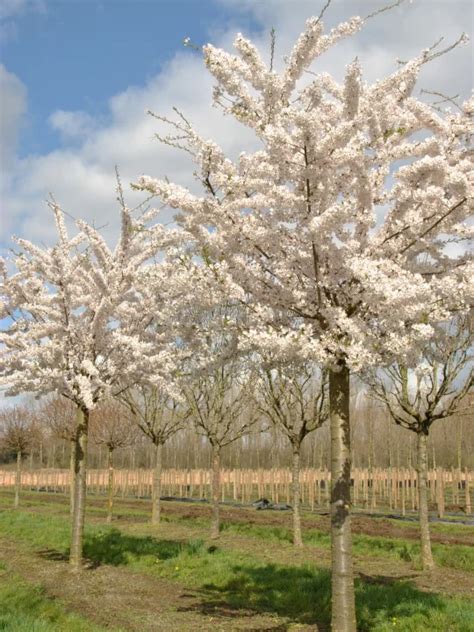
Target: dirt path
[{"x": 118, "y": 598}]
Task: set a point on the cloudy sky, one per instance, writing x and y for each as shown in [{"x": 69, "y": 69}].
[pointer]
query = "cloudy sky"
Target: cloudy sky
[{"x": 76, "y": 77}]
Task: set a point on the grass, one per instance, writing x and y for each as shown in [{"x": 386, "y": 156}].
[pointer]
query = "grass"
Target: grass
[
  {"x": 450, "y": 556},
  {"x": 228, "y": 578},
  {"x": 25, "y": 607},
  {"x": 454, "y": 556}
]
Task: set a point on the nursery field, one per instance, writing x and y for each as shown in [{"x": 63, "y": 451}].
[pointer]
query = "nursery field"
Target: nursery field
[{"x": 140, "y": 577}]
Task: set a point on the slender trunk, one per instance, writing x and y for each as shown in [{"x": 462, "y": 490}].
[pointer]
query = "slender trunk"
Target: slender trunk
[
  {"x": 216, "y": 466},
  {"x": 459, "y": 443},
  {"x": 426, "y": 555},
  {"x": 295, "y": 483},
  {"x": 110, "y": 484},
  {"x": 16, "y": 501},
  {"x": 370, "y": 481},
  {"x": 80, "y": 482},
  {"x": 156, "y": 489},
  {"x": 343, "y": 598},
  {"x": 72, "y": 475}
]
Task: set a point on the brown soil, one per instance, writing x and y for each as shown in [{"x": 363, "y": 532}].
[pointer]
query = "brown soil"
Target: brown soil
[
  {"x": 360, "y": 524},
  {"x": 120, "y": 599}
]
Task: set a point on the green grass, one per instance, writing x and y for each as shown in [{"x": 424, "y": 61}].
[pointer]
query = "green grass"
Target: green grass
[
  {"x": 455, "y": 556},
  {"x": 25, "y": 607},
  {"x": 228, "y": 577},
  {"x": 450, "y": 556}
]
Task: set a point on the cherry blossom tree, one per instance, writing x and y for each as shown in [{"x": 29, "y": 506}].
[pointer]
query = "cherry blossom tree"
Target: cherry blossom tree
[
  {"x": 75, "y": 326},
  {"x": 430, "y": 391},
  {"x": 293, "y": 397},
  {"x": 338, "y": 223}
]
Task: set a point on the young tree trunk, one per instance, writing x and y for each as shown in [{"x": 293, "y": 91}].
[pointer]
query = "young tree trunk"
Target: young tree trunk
[
  {"x": 422, "y": 469},
  {"x": 16, "y": 501},
  {"x": 72, "y": 475},
  {"x": 295, "y": 483},
  {"x": 343, "y": 598},
  {"x": 110, "y": 484},
  {"x": 80, "y": 483},
  {"x": 459, "y": 443},
  {"x": 216, "y": 465},
  {"x": 156, "y": 488}
]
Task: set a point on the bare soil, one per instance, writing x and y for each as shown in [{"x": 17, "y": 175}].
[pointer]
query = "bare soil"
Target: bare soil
[{"x": 118, "y": 598}]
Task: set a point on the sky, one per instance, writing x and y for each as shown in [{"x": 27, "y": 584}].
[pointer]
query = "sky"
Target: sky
[{"x": 77, "y": 76}]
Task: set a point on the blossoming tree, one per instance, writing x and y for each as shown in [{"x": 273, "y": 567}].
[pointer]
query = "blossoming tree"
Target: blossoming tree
[
  {"x": 338, "y": 223},
  {"x": 74, "y": 327}
]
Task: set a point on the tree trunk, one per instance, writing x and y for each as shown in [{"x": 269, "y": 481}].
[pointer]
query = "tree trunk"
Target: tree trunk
[
  {"x": 72, "y": 475},
  {"x": 80, "y": 483},
  {"x": 110, "y": 484},
  {"x": 16, "y": 501},
  {"x": 216, "y": 465},
  {"x": 426, "y": 555},
  {"x": 459, "y": 443},
  {"x": 156, "y": 489},
  {"x": 343, "y": 598},
  {"x": 295, "y": 483}
]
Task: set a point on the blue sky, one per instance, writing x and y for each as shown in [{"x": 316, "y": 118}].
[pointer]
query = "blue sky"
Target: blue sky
[
  {"x": 76, "y": 77},
  {"x": 76, "y": 54}
]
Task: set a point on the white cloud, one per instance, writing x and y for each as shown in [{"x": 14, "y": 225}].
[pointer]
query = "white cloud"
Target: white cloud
[
  {"x": 12, "y": 109},
  {"x": 81, "y": 171},
  {"x": 72, "y": 125}
]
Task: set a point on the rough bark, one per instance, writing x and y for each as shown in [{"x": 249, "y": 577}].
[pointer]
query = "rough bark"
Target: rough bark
[
  {"x": 156, "y": 489},
  {"x": 110, "y": 484},
  {"x": 343, "y": 598},
  {"x": 72, "y": 475},
  {"x": 295, "y": 483},
  {"x": 80, "y": 483},
  {"x": 16, "y": 501},
  {"x": 216, "y": 466},
  {"x": 422, "y": 469}
]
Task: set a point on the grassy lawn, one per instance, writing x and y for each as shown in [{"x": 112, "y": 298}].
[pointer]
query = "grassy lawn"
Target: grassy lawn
[
  {"x": 24, "y": 607},
  {"x": 254, "y": 569}
]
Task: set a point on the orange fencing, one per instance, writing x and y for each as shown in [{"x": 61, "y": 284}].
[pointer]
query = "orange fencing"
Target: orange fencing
[{"x": 393, "y": 488}]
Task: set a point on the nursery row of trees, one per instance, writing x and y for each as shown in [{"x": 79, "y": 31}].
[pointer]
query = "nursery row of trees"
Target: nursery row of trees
[
  {"x": 375, "y": 442},
  {"x": 319, "y": 256},
  {"x": 46, "y": 430}
]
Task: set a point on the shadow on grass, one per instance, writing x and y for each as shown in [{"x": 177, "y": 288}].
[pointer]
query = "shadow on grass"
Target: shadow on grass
[
  {"x": 304, "y": 596},
  {"x": 115, "y": 548},
  {"x": 301, "y": 594}
]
